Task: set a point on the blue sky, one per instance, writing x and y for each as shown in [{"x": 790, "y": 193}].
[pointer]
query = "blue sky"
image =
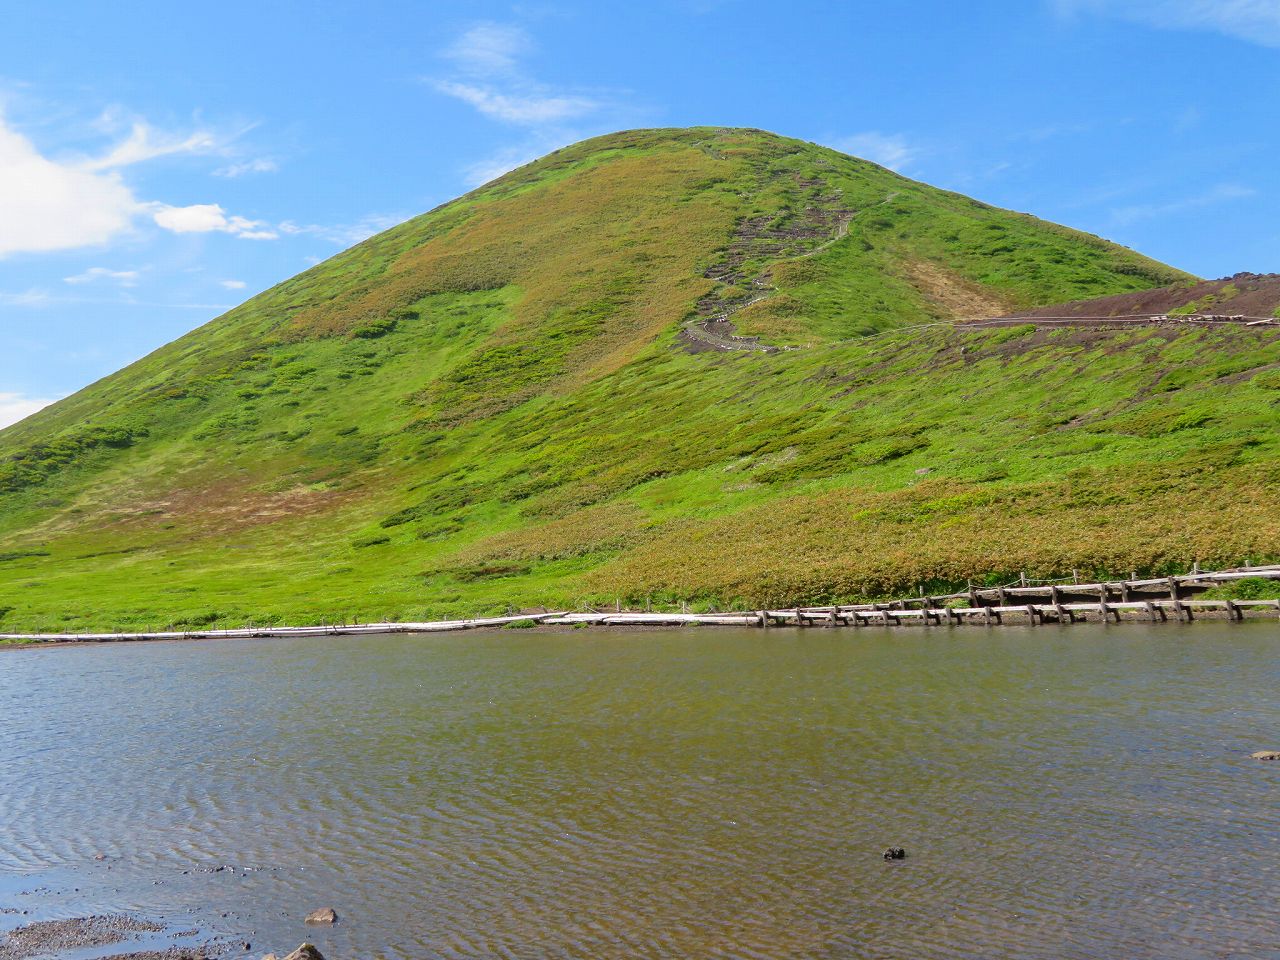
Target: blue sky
[{"x": 162, "y": 162}]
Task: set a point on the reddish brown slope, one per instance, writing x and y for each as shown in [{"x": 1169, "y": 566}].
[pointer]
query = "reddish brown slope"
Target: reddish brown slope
[{"x": 1246, "y": 294}]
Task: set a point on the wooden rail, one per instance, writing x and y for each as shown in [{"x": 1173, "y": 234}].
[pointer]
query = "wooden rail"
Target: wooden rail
[
  {"x": 1057, "y": 592},
  {"x": 1156, "y": 611}
]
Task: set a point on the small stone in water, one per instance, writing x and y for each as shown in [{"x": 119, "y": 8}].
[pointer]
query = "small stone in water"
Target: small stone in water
[
  {"x": 1266, "y": 755},
  {"x": 306, "y": 952},
  {"x": 327, "y": 915},
  {"x": 895, "y": 853}
]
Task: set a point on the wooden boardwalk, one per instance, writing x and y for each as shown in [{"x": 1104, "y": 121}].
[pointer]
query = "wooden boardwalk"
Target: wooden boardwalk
[
  {"x": 1152, "y": 599},
  {"x": 245, "y": 633}
]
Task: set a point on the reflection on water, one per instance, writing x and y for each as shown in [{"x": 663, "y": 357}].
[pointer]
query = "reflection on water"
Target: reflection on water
[{"x": 1076, "y": 792}]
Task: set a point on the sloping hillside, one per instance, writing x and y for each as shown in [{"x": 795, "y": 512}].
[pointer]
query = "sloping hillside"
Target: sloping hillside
[
  {"x": 1247, "y": 295},
  {"x": 499, "y": 403}
]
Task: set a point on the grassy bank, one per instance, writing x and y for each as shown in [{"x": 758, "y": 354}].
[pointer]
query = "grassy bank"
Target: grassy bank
[{"x": 923, "y": 458}]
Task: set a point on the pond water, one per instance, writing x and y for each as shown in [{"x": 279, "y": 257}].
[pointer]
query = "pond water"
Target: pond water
[{"x": 1060, "y": 792}]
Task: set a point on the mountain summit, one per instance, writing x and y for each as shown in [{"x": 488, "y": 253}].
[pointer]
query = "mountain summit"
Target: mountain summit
[{"x": 710, "y": 364}]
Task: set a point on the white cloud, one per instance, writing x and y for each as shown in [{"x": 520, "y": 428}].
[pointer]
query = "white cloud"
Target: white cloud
[
  {"x": 233, "y": 284},
  {"x": 16, "y": 406},
  {"x": 48, "y": 205},
  {"x": 209, "y": 218},
  {"x": 1257, "y": 21},
  {"x": 1224, "y": 192},
  {"x": 888, "y": 150},
  {"x": 261, "y": 165},
  {"x": 532, "y": 109},
  {"x": 126, "y": 278}
]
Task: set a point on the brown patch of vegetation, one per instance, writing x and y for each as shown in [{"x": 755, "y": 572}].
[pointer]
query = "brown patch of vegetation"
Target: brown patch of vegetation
[
  {"x": 226, "y": 505},
  {"x": 953, "y": 295}
]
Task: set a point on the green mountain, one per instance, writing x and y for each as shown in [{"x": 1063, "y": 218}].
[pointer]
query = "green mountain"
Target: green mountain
[{"x": 713, "y": 365}]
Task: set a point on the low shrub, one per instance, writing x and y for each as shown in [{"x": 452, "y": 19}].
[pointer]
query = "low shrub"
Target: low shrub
[{"x": 1250, "y": 588}]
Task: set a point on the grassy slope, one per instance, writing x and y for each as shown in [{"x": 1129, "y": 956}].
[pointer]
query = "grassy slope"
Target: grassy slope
[{"x": 487, "y": 405}]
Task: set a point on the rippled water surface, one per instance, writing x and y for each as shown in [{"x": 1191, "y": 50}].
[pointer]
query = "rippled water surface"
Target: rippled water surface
[{"x": 1073, "y": 792}]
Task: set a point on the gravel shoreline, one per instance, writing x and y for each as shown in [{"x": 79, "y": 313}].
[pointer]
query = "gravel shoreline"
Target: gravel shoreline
[{"x": 48, "y": 937}]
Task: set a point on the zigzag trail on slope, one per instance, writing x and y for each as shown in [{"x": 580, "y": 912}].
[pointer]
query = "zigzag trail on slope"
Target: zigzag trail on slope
[{"x": 700, "y": 330}]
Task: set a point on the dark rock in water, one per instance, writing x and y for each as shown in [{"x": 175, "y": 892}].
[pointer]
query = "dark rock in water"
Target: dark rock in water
[
  {"x": 895, "y": 853},
  {"x": 327, "y": 915},
  {"x": 306, "y": 951},
  {"x": 1266, "y": 755}
]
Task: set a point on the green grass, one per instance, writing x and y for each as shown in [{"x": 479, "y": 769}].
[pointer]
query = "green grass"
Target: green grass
[
  {"x": 1250, "y": 588},
  {"x": 488, "y": 407}
]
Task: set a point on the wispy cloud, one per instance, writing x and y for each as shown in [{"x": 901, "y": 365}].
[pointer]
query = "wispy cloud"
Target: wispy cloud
[
  {"x": 1257, "y": 21},
  {"x": 344, "y": 234},
  {"x": 1222, "y": 193},
  {"x": 888, "y": 150},
  {"x": 490, "y": 74},
  {"x": 233, "y": 284},
  {"x": 258, "y": 165},
  {"x": 34, "y": 297},
  {"x": 39, "y": 298},
  {"x": 504, "y": 161},
  {"x": 531, "y": 109},
  {"x": 125, "y": 278},
  {"x": 489, "y": 49},
  {"x": 18, "y": 406},
  {"x": 144, "y": 143}
]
